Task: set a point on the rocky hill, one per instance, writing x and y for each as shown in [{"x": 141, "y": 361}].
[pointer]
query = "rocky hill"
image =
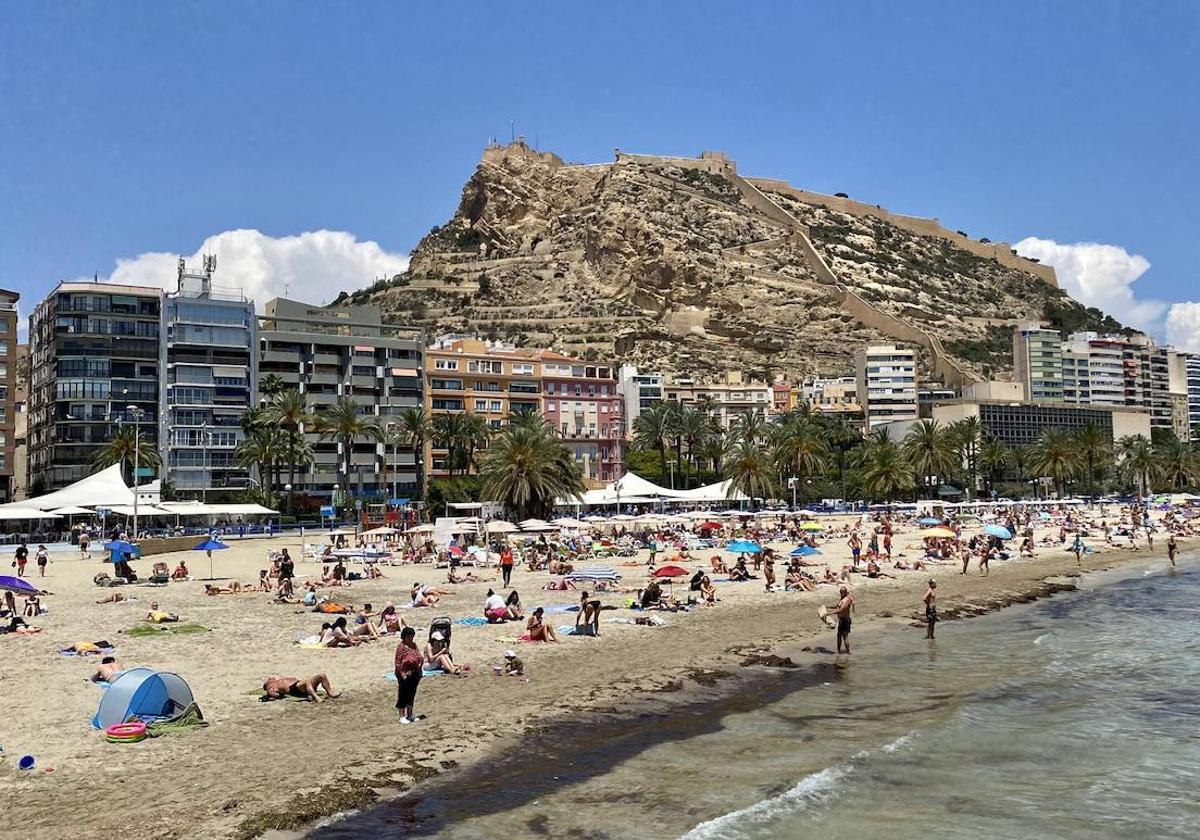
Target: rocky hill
[{"x": 683, "y": 265}]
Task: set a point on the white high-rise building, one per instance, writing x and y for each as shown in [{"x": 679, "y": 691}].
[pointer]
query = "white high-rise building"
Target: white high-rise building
[
  {"x": 886, "y": 380},
  {"x": 639, "y": 391}
]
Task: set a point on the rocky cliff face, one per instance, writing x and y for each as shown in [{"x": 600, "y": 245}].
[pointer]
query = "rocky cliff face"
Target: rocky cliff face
[{"x": 681, "y": 265}]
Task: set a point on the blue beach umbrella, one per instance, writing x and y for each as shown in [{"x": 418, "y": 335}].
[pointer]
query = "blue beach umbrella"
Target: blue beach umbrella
[
  {"x": 998, "y": 531},
  {"x": 743, "y": 547},
  {"x": 18, "y": 585},
  {"x": 803, "y": 551},
  {"x": 210, "y": 545},
  {"x": 929, "y": 520}
]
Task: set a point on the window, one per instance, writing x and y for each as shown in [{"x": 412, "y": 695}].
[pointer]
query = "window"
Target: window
[
  {"x": 551, "y": 405},
  {"x": 445, "y": 364},
  {"x": 485, "y": 366},
  {"x": 549, "y": 387},
  {"x": 495, "y": 405},
  {"x": 481, "y": 405},
  {"x": 362, "y": 370},
  {"x": 520, "y": 368},
  {"x": 604, "y": 390},
  {"x": 578, "y": 390}
]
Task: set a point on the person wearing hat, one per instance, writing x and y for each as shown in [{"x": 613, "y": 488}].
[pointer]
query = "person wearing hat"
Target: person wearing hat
[
  {"x": 513, "y": 666},
  {"x": 931, "y": 616},
  {"x": 437, "y": 655}
]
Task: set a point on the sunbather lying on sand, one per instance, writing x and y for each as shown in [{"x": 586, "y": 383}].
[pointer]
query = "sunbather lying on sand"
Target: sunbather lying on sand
[
  {"x": 160, "y": 616},
  {"x": 108, "y": 671},
  {"x": 114, "y": 598},
  {"x": 234, "y": 588},
  {"x": 277, "y": 688}
]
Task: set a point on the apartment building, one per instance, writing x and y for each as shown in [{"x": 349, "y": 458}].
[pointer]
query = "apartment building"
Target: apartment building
[
  {"x": 836, "y": 396},
  {"x": 1133, "y": 372},
  {"x": 209, "y": 359},
  {"x": 479, "y": 378},
  {"x": 638, "y": 392},
  {"x": 1038, "y": 362},
  {"x": 330, "y": 352},
  {"x": 726, "y": 398},
  {"x": 1022, "y": 423},
  {"x": 1192, "y": 380},
  {"x": 9, "y": 360},
  {"x": 1177, "y": 385},
  {"x": 94, "y": 354},
  {"x": 583, "y": 403},
  {"x": 886, "y": 384},
  {"x": 783, "y": 397}
]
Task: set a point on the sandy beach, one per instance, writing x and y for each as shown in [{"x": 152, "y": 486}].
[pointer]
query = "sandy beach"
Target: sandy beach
[{"x": 283, "y": 764}]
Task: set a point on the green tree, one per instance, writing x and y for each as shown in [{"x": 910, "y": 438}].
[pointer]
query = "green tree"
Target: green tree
[
  {"x": 801, "y": 450},
  {"x": 750, "y": 471},
  {"x": 885, "y": 471},
  {"x": 121, "y": 449},
  {"x": 652, "y": 430},
  {"x": 1095, "y": 450},
  {"x": 696, "y": 428},
  {"x": 414, "y": 424},
  {"x": 270, "y": 385},
  {"x": 260, "y": 451},
  {"x": 1180, "y": 464},
  {"x": 449, "y": 432},
  {"x": 527, "y": 467},
  {"x": 475, "y": 437},
  {"x": 968, "y": 438},
  {"x": 994, "y": 459},
  {"x": 931, "y": 451},
  {"x": 345, "y": 424},
  {"x": 289, "y": 411},
  {"x": 1056, "y": 457},
  {"x": 1139, "y": 462}
]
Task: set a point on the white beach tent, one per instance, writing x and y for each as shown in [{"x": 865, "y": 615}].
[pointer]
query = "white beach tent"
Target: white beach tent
[{"x": 103, "y": 489}]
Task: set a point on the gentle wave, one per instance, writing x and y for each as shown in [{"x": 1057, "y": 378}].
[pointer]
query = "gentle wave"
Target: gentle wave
[{"x": 811, "y": 791}]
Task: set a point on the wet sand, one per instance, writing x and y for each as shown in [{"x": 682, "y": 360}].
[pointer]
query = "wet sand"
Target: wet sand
[{"x": 285, "y": 764}]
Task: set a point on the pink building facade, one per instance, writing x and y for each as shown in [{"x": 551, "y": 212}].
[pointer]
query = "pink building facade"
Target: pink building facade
[{"x": 582, "y": 402}]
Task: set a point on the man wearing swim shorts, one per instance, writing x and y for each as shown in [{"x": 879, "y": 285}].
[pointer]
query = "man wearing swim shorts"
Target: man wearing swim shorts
[
  {"x": 855, "y": 549},
  {"x": 843, "y": 609},
  {"x": 931, "y": 616}
]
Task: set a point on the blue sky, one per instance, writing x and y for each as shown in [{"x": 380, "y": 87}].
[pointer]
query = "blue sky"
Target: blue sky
[{"x": 146, "y": 128}]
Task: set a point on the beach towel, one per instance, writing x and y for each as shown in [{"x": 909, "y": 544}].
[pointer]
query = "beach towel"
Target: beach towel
[
  {"x": 190, "y": 719},
  {"x": 508, "y": 638},
  {"x": 471, "y": 621},
  {"x": 390, "y": 676},
  {"x": 557, "y": 609},
  {"x": 99, "y": 651}
]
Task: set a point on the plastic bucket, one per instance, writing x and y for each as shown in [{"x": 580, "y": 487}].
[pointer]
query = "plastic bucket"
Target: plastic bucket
[{"x": 26, "y": 762}]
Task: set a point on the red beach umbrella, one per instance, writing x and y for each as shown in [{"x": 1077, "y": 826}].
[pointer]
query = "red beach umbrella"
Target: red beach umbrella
[{"x": 670, "y": 572}]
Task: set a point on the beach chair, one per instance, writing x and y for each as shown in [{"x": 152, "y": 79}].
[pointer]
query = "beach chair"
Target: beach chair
[{"x": 161, "y": 574}]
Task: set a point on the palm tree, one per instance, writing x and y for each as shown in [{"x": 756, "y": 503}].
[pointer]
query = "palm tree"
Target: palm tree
[
  {"x": 270, "y": 385},
  {"x": 260, "y": 451},
  {"x": 449, "y": 432},
  {"x": 1095, "y": 449},
  {"x": 749, "y": 471},
  {"x": 345, "y": 424},
  {"x": 651, "y": 429},
  {"x": 1056, "y": 457},
  {"x": 527, "y": 467},
  {"x": 696, "y": 428},
  {"x": 968, "y": 436},
  {"x": 1139, "y": 461},
  {"x": 750, "y": 426},
  {"x": 1180, "y": 464},
  {"x": 885, "y": 471},
  {"x": 414, "y": 424},
  {"x": 800, "y": 448},
  {"x": 253, "y": 418},
  {"x": 843, "y": 439},
  {"x": 931, "y": 451},
  {"x": 476, "y": 435},
  {"x": 124, "y": 447},
  {"x": 288, "y": 410},
  {"x": 994, "y": 459},
  {"x": 716, "y": 447}
]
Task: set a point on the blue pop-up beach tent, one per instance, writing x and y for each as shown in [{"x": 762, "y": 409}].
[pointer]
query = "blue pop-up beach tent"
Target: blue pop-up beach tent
[{"x": 145, "y": 694}]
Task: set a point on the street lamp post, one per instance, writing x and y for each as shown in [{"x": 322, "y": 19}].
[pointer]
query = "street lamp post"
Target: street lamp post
[
  {"x": 137, "y": 415},
  {"x": 391, "y": 439},
  {"x": 205, "y": 436}
]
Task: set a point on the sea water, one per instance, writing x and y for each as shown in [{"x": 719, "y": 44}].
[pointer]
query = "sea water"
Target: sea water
[{"x": 1077, "y": 717}]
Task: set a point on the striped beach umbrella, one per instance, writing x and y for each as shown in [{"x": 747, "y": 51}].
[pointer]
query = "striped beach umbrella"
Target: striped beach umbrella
[{"x": 595, "y": 573}]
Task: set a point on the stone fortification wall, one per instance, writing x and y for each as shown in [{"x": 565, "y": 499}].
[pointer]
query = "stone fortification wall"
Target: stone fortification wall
[{"x": 1001, "y": 252}]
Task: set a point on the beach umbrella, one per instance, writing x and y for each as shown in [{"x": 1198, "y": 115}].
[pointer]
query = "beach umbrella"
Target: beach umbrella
[
  {"x": 998, "y": 531},
  {"x": 929, "y": 520},
  {"x": 937, "y": 532},
  {"x": 669, "y": 572},
  {"x": 595, "y": 573},
  {"x": 455, "y": 551},
  {"x": 803, "y": 551},
  {"x": 209, "y": 546},
  {"x": 8, "y": 583},
  {"x": 709, "y": 526},
  {"x": 119, "y": 548},
  {"x": 500, "y": 526},
  {"x": 811, "y": 526},
  {"x": 742, "y": 547}
]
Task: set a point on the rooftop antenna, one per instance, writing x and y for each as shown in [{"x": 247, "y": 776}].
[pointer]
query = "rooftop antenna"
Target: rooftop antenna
[{"x": 512, "y": 131}]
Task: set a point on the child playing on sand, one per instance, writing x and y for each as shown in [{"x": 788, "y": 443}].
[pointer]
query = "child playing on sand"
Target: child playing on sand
[{"x": 513, "y": 666}]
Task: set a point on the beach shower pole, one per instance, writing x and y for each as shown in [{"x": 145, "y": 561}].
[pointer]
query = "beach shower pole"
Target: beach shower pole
[{"x": 137, "y": 445}]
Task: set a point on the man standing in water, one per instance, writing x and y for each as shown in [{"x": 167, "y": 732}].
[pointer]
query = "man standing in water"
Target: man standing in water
[
  {"x": 843, "y": 608},
  {"x": 1172, "y": 547},
  {"x": 931, "y": 616}
]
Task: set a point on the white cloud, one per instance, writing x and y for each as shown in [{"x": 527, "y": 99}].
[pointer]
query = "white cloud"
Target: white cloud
[
  {"x": 1101, "y": 276},
  {"x": 1183, "y": 326},
  {"x": 312, "y": 266}
]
